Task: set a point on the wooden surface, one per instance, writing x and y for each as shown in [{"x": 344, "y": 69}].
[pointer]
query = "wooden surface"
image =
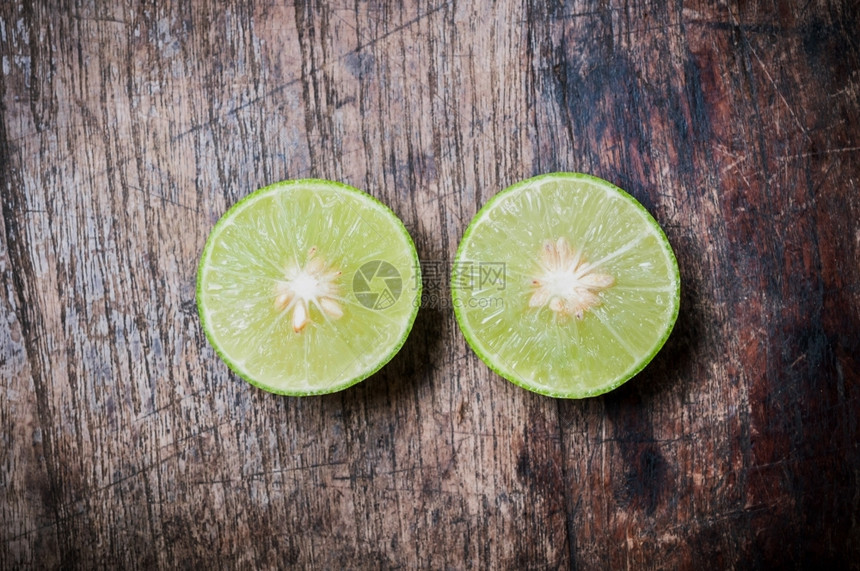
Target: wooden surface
[{"x": 129, "y": 128}]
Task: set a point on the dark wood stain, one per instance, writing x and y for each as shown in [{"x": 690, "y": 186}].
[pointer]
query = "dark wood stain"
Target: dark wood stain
[{"x": 127, "y": 129}]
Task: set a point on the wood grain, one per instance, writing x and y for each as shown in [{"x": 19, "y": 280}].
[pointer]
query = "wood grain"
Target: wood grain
[{"x": 127, "y": 128}]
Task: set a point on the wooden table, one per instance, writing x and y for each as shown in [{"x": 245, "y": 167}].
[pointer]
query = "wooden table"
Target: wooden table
[{"x": 127, "y": 130}]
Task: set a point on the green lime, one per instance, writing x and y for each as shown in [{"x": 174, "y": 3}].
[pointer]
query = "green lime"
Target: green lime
[
  {"x": 308, "y": 286},
  {"x": 565, "y": 285}
]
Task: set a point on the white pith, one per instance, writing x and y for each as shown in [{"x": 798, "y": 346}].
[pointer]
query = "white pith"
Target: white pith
[
  {"x": 565, "y": 282},
  {"x": 311, "y": 285}
]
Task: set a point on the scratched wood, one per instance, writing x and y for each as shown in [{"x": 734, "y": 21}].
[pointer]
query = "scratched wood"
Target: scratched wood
[{"x": 127, "y": 130}]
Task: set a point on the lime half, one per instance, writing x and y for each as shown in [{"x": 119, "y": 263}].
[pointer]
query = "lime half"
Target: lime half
[
  {"x": 308, "y": 286},
  {"x": 565, "y": 285}
]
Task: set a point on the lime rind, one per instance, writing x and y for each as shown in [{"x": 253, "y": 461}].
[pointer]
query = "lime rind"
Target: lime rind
[
  {"x": 493, "y": 360},
  {"x": 227, "y": 219}
]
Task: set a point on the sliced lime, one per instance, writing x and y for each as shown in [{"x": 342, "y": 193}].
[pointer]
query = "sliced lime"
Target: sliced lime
[
  {"x": 565, "y": 285},
  {"x": 308, "y": 286}
]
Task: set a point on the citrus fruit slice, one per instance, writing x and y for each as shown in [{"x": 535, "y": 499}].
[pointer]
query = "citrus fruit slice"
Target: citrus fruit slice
[
  {"x": 565, "y": 285},
  {"x": 308, "y": 286}
]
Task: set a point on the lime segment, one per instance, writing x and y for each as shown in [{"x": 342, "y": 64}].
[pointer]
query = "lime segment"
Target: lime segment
[
  {"x": 276, "y": 287},
  {"x": 591, "y": 286}
]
